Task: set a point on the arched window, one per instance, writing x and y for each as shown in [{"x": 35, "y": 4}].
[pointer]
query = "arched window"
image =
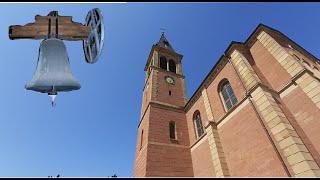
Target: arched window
[
  {"x": 172, "y": 130},
  {"x": 163, "y": 63},
  {"x": 198, "y": 124},
  {"x": 172, "y": 66},
  {"x": 228, "y": 96}
]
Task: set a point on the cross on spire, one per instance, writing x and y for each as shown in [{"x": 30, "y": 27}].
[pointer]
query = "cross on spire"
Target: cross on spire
[
  {"x": 162, "y": 31},
  {"x": 163, "y": 42}
]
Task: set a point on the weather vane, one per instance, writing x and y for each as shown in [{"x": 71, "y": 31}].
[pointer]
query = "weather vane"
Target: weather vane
[{"x": 53, "y": 73}]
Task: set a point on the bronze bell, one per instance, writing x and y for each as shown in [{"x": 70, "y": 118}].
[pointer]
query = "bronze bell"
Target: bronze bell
[{"x": 53, "y": 73}]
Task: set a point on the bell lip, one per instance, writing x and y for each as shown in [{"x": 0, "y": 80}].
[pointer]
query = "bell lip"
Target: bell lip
[{"x": 48, "y": 89}]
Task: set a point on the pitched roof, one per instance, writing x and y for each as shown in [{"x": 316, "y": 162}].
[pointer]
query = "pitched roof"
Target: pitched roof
[{"x": 164, "y": 43}]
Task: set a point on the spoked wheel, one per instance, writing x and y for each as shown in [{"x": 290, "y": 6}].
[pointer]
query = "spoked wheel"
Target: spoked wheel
[{"x": 93, "y": 44}]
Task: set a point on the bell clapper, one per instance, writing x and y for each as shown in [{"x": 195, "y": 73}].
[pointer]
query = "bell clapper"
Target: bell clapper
[
  {"x": 53, "y": 97},
  {"x": 53, "y": 94}
]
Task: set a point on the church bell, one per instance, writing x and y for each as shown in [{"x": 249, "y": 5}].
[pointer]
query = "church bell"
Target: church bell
[{"x": 53, "y": 72}]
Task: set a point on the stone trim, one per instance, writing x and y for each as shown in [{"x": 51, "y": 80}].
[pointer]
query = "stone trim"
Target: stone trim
[
  {"x": 166, "y": 144},
  {"x": 199, "y": 141},
  {"x": 285, "y": 135},
  {"x": 245, "y": 71},
  {"x": 249, "y": 90},
  {"x": 227, "y": 113},
  {"x": 239, "y": 107},
  {"x": 311, "y": 86},
  {"x": 217, "y": 154},
  {"x": 287, "y": 90},
  {"x": 160, "y": 105},
  {"x": 272, "y": 140},
  {"x": 207, "y": 105},
  {"x": 169, "y": 72},
  {"x": 308, "y": 83},
  {"x": 275, "y": 120},
  {"x": 167, "y": 106},
  {"x": 216, "y": 150}
]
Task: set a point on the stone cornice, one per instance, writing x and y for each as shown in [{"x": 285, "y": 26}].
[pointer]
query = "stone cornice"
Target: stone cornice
[
  {"x": 167, "y": 106},
  {"x": 170, "y": 73},
  {"x": 163, "y": 106},
  {"x": 168, "y": 144}
]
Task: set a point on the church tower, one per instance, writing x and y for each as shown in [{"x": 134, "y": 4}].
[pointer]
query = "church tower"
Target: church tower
[{"x": 163, "y": 142}]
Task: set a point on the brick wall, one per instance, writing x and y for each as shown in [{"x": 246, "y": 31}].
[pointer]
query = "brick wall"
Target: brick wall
[
  {"x": 168, "y": 161},
  {"x": 269, "y": 67},
  {"x": 201, "y": 160},
  {"x": 272, "y": 131},
  {"x": 246, "y": 146},
  {"x": 214, "y": 97},
  {"x": 159, "y": 128},
  {"x": 167, "y": 157},
  {"x": 163, "y": 88},
  {"x": 198, "y": 106},
  {"x": 141, "y": 148},
  {"x": 305, "y": 113}
]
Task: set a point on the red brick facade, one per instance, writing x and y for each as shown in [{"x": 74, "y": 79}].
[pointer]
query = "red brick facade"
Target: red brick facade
[{"x": 271, "y": 130}]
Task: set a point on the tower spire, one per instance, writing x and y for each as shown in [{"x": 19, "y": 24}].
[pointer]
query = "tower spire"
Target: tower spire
[
  {"x": 163, "y": 42},
  {"x": 163, "y": 93}
]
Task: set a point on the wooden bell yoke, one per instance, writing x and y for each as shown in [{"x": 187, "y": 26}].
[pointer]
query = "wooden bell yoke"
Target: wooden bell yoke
[{"x": 52, "y": 25}]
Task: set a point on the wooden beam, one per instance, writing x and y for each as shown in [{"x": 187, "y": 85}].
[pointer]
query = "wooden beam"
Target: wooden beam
[{"x": 67, "y": 29}]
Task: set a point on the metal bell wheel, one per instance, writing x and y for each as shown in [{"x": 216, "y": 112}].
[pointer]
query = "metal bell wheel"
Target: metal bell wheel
[{"x": 93, "y": 44}]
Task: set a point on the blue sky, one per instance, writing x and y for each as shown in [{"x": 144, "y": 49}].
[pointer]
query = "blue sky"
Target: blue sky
[{"x": 92, "y": 131}]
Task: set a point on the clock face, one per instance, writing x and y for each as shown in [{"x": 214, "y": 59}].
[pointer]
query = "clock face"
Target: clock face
[{"x": 169, "y": 80}]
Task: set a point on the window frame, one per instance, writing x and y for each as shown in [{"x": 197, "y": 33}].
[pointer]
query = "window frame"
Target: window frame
[
  {"x": 196, "y": 125},
  {"x": 174, "y": 130},
  {"x": 225, "y": 89}
]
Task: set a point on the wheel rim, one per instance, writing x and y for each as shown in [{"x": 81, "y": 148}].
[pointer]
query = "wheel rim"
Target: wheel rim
[{"x": 94, "y": 43}]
